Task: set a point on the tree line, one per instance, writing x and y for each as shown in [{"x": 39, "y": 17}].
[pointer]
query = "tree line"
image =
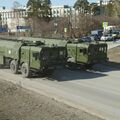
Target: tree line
[
  {"x": 91, "y": 16},
  {"x": 42, "y": 8}
]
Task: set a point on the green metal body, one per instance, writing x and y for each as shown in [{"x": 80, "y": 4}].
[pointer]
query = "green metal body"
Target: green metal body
[
  {"x": 38, "y": 57},
  {"x": 53, "y": 52},
  {"x": 84, "y": 53},
  {"x": 43, "y": 57},
  {"x": 9, "y": 50},
  {"x": 87, "y": 53}
]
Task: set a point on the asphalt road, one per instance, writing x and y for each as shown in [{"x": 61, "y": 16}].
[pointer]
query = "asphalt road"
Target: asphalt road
[
  {"x": 96, "y": 91},
  {"x": 112, "y": 44}
]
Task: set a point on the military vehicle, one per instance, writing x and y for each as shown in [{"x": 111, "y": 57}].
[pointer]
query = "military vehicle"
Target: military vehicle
[
  {"x": 30, "y": 57},
  {"x": 85, "y": 55},
  {"x": 79, "y": 53}
]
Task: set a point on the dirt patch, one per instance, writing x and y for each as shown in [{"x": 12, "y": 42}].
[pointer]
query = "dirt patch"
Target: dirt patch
[{"x": 17, "y": 103}]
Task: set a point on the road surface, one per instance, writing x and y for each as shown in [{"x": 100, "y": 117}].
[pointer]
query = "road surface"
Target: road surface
[
  {"x": 112, "y": 44},
  {"x": 96, "y": 91}
]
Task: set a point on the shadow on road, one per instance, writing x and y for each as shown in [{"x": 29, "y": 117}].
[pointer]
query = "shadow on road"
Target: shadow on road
[
  {"x": 68, "y": 75},
  {"x": 99, "y": 70},
  {"x": 114, "y": 65},
  {"x": 107, "y": 67}
]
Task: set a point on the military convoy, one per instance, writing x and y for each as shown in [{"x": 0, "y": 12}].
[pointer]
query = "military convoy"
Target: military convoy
[
  {"x": 40, "y": 55},
  {"x": 30, "y": 56},
  {"x": 85, "y": 55},
  {"x": 80, "y": 54}
]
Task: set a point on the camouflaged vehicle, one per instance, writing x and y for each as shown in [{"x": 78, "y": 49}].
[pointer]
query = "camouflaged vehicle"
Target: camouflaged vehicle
[
  {"x": 86, "y": 54},
  {"x": 79, "y": 53},
  {"x": 30, "y": 57}
]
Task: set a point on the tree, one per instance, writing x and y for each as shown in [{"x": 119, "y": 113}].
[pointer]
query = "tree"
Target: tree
[
  {"x": 39, "y": 12},
  {"x": 46, "y": 10},
  {"x": 109, "y": 9},
  {"x": 16, "y": 5},
  {"x": 82, "y": 5},
  {"x": 95, "y": 9},
  {"x": 116, "y": 4},
  {"x": 39, "y": 8}
]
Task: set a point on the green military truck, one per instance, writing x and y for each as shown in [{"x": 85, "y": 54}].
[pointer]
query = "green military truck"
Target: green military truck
[
  {"x": 31, "y": 57},
  {"x": 80, "y": 54},
  {"x": 85, "y": 55}
]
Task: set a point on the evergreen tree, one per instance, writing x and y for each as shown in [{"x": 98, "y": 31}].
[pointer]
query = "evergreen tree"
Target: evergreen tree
[
  {"x": 39, "y": 8},
  {"x": 95, "y": 9},
  {"x": 82, "y": 5},
  {"x": 116, "y": 5},
  {"x": 109, "y": 9}
]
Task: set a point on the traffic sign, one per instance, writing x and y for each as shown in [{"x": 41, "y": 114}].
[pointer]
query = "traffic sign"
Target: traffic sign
[
  {"x": 105, "y": 24},
  {"x": 23, "y": 27}
]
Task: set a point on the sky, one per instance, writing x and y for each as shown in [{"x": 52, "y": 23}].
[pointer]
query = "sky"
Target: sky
[{"x": 9, "y": 3}]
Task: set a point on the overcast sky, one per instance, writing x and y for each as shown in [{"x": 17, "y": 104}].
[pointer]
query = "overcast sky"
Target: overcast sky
[{"x": 9, "y": 3}]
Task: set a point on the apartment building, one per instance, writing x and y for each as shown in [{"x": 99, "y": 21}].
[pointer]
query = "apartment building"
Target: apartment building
[
  {"x": 61, "y": 11},
  {"x": 103, "y": 2},
  {"x": 16, "y": 17},
  {"x": 13, "y": 17}
]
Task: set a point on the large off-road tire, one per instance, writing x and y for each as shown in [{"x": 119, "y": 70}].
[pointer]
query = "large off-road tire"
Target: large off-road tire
[
  {"x": 14, "y": 66},
  {"x": 25, "y": 70}
]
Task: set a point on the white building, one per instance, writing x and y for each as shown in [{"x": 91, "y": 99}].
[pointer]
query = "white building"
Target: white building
[
  {"x": 13, "y": 17},
  {"x": 103, "y": 2},
  {"x": 61, "y": 11}
]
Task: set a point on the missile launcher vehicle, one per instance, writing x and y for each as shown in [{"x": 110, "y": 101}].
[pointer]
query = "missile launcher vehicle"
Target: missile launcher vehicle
[
  {"x": 31, "y": 57},
  {"x": 79, "y": 53}
]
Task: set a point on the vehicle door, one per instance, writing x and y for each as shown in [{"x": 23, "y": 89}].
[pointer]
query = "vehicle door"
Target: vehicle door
[
  {"x": 82, "y": 54},
  {"x": 34, "y": 58}
]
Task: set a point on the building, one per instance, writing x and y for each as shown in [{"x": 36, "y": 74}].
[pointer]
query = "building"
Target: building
[
  {"x": 103, "y": 2},
  {"x": 60, "y": 11},
  {"x": 16, "y": 17},
  {"x": 13, "y": 17}
]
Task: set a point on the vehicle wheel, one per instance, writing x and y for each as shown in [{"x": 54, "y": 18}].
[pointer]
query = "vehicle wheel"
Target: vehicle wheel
[
  {"x": 14, "y": 66},
  {"x": 25, "y": 70}
]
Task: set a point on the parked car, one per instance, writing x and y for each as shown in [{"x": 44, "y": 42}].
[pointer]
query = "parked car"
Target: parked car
[
  {"x": 86, "y": 39},
  {"x": 116, "y": 34},
  {"x": 98, "y": 32},
  {"x": 107, "y": 37},
  {"x": 94, "y": 37}
]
